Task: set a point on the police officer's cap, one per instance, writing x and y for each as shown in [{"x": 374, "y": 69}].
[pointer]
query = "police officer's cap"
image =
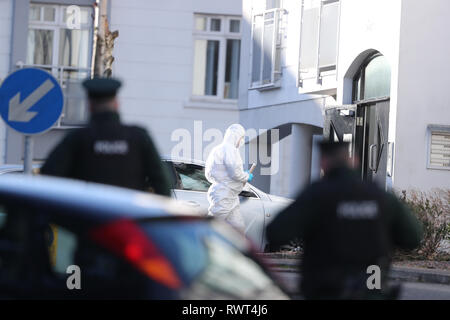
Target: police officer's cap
[
  {"x": 101, "y": 88},
  {"x": 330, "y": 147}
]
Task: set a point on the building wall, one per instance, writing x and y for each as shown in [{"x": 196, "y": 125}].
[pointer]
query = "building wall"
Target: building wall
[
  {"x": 229, "y": 7},
  {"x": 6, "y": 12},
  {"x": 154, "y": 58},
  {"x": 298, "y": 157},
  {"x": 288, "y": 93},
  {"x": 423, "y": 84},
  {"x": 300, "y": 108},
  {"x": 279, "y": 185},
  {"x": 416, "y": 51},
  {"x": 365, "y": 27}
]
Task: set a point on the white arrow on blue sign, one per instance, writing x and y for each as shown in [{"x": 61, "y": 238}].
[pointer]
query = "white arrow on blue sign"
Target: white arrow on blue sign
[{"x": 31, "y": 101}]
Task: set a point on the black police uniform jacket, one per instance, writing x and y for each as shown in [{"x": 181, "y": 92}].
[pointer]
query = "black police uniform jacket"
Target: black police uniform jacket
[
  {"x": 109, "y": 152},
  {"x": 346, "y": 226}
]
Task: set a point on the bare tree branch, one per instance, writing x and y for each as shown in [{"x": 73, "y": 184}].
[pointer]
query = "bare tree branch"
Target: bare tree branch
[{"x": 104, "y": 43}]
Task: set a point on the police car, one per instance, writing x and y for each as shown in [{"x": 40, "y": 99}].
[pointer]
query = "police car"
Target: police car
[{"x": 64, "y": 239}]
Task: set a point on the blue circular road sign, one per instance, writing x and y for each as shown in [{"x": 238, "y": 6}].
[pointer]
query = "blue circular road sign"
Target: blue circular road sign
[{"x": 31, "y": 101}]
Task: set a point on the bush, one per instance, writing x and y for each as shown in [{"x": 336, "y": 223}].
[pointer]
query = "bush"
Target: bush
[{"x": 433, "y": 210}]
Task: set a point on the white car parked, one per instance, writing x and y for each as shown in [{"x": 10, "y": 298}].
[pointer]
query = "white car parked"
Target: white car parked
[{"x": 257, "y": 207}]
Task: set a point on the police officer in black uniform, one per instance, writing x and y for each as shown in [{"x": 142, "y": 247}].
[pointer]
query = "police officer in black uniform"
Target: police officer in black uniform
[
  {"x": 107, "y": 151},
  {"x": 346, "y": 226}
]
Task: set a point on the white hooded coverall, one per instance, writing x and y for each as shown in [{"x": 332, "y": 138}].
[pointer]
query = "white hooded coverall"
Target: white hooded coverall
[{"x": 224, "y": 169}]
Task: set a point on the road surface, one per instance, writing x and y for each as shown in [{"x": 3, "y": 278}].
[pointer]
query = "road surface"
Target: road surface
[{"x": 410, "y": 290}]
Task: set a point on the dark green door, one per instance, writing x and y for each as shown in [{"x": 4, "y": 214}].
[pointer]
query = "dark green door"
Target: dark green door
[{"x": 375, "y": 142}]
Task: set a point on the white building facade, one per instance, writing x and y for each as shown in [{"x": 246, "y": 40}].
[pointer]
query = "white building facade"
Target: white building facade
[
  {"x": 180, "y": 64},
  {"x": 6, "y": 17},
  {"x": 372, "y": 72},
  {"x": 178, "y": 61}
]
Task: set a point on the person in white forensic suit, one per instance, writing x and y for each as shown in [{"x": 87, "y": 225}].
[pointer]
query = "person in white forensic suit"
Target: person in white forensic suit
[{"x": 224, "y": 169}]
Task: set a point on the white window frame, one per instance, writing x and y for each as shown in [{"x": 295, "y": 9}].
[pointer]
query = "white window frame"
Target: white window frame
[
  {"x": 319, "y": 71},
  {"x": 276, "y": 73},
  {"x": 58, "y": 70},
  {"x": 56, "y": 27},
  {"x": 222, "y": 36},
  {"x": 436, "y": 129},
  {"x": 41, "y": 17}
]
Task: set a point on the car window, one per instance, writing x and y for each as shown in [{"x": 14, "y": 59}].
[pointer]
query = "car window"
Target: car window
[
  {"x": 20, "y": 250},
  {"x": 104, "y": 274},
  {"x": 247, "y": 192},
  {"x": 2, "y": 217},
  {"x": 192, "y": 177},
  {"x": 68, "y": 248},
  {"x": 34, "y": 246},
  {"x": 29, "y": 246},
  {"x": 14, "y": 231},
  {"x": 210, "y": 265},
  {"x": 182, "y": 243},
  {"x": 232, "y": 275},
  {"x": 61, "y": 244}
]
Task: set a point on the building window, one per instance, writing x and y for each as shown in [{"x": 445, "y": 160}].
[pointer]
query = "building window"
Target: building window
[
  {"x": 438, "y": 147},
  {"x": 217, "y": 46},
  {"x": 373, "y": 81},
  {"x": 319, "y": 39},
  {"x": 64, "y": 52},
  {"x": 266, "y": 46}
]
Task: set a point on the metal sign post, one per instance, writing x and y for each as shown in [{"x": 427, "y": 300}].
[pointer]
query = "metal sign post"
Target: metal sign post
[{"x": 28, "y": 155}]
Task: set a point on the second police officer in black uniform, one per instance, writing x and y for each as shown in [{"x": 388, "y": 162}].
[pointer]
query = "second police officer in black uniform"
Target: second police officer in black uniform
[
  {"x": 346, "y": 225},
  {"x": 106, "y": 151}
]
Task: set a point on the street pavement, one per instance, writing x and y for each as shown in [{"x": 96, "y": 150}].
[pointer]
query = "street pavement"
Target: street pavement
[
  {"x": 410, "y": 290},
  {"x": 425, "y": 291}
]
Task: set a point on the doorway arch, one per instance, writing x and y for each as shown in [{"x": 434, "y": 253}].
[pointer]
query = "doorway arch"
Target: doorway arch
[{"x": 373, "y": 79}]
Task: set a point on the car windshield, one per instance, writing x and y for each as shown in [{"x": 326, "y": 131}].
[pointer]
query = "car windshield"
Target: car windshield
[
  {"x": 209, "y": 263},
  {"x": 192, "y": 177}
]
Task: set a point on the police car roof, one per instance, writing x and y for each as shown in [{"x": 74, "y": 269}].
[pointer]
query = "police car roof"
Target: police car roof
[
  {"x": 19, "y": 167},
  {"x": 183, "y": 160},
  {"x": 85, "y": 198}
]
